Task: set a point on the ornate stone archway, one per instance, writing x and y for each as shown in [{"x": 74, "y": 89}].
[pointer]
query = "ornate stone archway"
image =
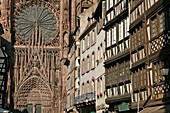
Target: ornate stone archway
[{"x": 34, "y": 91}]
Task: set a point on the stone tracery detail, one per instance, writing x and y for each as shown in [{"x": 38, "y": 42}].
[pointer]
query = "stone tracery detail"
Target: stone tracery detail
[
  {"x": 34, "y": 91},
  {"x": 37, "y": 53},
  {"x": 24, "y": 23}
]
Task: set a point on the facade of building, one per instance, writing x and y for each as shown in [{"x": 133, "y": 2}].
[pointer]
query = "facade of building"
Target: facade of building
[
  {"x": 149, "y": 54},
  {"x": 117, "y": 63},
  {"x": 137, "y": 34},
  {"x": 37, "y": 32},
  {"x": 73, "y": 64},
  {"x": 92, "y": 76}
]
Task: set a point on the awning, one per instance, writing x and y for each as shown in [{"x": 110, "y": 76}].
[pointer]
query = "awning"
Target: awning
[
  {"x": 156, "y": 109},
  {"x": 3, "y": 111}
]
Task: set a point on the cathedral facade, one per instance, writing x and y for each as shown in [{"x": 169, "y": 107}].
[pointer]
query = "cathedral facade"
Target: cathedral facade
[{"x": 38, "y": 32}]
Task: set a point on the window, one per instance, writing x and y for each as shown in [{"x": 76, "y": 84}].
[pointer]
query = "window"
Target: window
[
  {"x": 87, "y": 87},
  {"x": 78, "y": 51},
  {"x": 92, "y": 36},
  {"x": 107, "y": 4},
  {"x": 132, "y": 42},
  {"x": 108, "y": 38},
  {"x": 98, "y": 53},
  {"x": 83, "y": 66},
  {"x": 98, "y": 86},
  {"x": 133, "y": 1},
  {"x": 139, "y": 37},
  {"x": 135, "y": 40},
  {"x": 126, "y": 27},
  {"x": 121, "y": 30},
  {"x": 113, "y": 73},
  {"x": 134, "y": 80},
  {"x": 144, "y": 74},
  {"x": 114, "y": 34},
  {"x": 142, "y": 38},
  {"x": 127, "y": 72},
  {"x": 101, "y": 51},
  {"x": 154, "y": 27},
  {"x": 157, "y": 72},
  {"x": 83, "y": 88},
  {"x": 111, "y": 3},
  {"x": 92, "y": 86},
  {"x": 101, "y": 85},
  {"x": 38, "y": 108},
  {"x": 95, "y": 34},
  {"x": 78, "y": 72},
  {"x": 87, "y": 39},
  {"x": 83, "y": 44},
  {"x": 93, "y": 60},
  {"x": 162, "y": 21},
  {"x": 87, "y": 63}
]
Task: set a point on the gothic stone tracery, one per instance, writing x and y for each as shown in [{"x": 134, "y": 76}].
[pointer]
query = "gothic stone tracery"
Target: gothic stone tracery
[{"x": 37, "y": 58}]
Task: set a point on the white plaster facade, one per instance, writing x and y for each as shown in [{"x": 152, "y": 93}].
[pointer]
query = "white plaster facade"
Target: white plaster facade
[{"x": 96, "y": 74}]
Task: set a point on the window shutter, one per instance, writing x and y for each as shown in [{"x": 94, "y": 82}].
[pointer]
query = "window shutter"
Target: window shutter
[
  {"x": 95, "y": 34},
  {"x": 85, "y": 87},
  {"x": 94, "y": 60},
  {"x": 90, "y": 38},
  {"x": 73, "y": 80},
  {"x": 90, "y": 60},
  {"x": 85, "y": 65},
  {"x": 89, "y": 86},
  {"x": 127, "y": 26},
  {"x": 85, "y": 43}
]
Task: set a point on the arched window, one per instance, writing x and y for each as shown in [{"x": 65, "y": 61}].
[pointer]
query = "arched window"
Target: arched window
[{"x": 82, "y": 88}]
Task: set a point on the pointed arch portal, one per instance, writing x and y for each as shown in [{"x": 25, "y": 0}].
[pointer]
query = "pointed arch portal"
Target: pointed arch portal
[{"x": 33, "y": 95}]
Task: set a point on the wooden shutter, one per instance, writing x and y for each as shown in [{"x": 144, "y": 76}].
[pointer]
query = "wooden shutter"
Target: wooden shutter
[
  {"x": 90, "y": 38},
  {"x": 90, "y": 85},
  {"x": 94, "y": 60},
  {"x": 85, "y": 88},
  {"x": 85, "y": 43},
  {"x": 85, "y": 65},
  {"x": 90, "y": 61},
  {"x": 95, "y": 34}
]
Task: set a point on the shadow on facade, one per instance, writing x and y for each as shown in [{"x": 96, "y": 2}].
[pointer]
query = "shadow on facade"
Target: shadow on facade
[
  {"x": 164, "y": 56},
  {"x": 24, "y": 111}
]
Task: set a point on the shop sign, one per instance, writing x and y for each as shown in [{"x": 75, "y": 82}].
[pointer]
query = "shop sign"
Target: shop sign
[{"x": 123, "y": 107}]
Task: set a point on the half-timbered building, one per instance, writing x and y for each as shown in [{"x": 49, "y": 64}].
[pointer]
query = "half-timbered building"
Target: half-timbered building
[
  {"x": 149, "y": 54},
  {"x": 117, "y": 63}
]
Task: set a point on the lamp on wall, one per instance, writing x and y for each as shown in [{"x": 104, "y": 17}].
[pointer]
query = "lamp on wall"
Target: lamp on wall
[
  {"x": 86, "y": 100},
  {"x": 165, "y": 71}
]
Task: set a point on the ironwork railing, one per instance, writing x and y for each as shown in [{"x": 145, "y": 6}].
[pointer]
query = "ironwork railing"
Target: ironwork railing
[{"x": 82, "y": 98}]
